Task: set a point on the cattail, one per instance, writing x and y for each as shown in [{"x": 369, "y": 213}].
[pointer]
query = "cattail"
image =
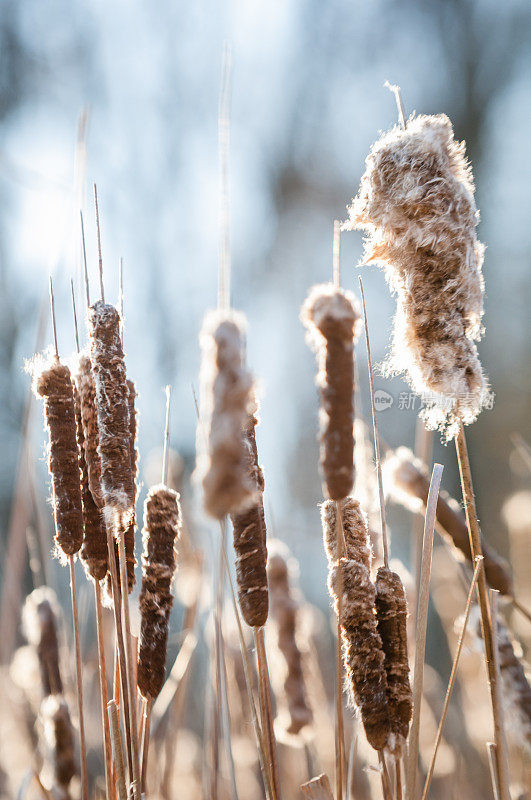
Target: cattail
[
  {"x": 112, "y": 408},
  {"x": 225, "y": 397},
  {"x": 249, "y": 530},
  {"x": 58, "y": 736},
  {"x": 362, "y": 646},
  {"x": 162, "y": 525},
  {"x": 52, "y": 381},
  {"x": 129, "y": 536},
  {"x": 89, "y": 418},
  {"x": 416, "y": 202},
  {"x": 408, "y": 483},
  {"x": 284, "y": 610},
  {"x": 94, "y": 554},
  {"x": 391, "y": 612},
  {"x": 40, "y": 622},
  {"x": 331, "y": 315}
]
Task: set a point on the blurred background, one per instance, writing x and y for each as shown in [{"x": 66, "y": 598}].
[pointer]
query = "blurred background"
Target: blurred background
[{"x": 141, "y": 81}]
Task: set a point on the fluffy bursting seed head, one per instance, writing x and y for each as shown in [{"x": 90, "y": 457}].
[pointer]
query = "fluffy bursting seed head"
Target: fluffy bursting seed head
[
  {"x": 162, "y": 526},
  {"x": 52, "y": 381},
  {"x": 362, "y": 646},
  {"x": 225, "y": 399},
  {"x": 108, "y": 367},
  {"x": 58, "y": 740},
  {"x": 89, "y": 420},
  {"x": 331, "y": 317},
  {"x": 416, "y": 202},
  {"x": 408, "y": 483},
  {"x": 249, "y": 532}
]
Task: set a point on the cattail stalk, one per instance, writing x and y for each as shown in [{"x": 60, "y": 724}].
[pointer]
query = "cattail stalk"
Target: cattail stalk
[{"x": 484, "y": 605}]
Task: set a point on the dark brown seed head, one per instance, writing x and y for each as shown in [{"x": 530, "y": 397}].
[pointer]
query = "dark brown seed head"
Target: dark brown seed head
[
  {"x": 162, "y": 525},
  {"x": 94, "y": 549},
  {"x": 391, "y": 612},
  {"x": 112, "y": 407},
  {"x": 331, "y": 317},
  {"x": 284, "y": 611},
  {"x": 249, "y": 531},
  {"x": 52, "y": 381},
  {"x": 89, "y": 418}
]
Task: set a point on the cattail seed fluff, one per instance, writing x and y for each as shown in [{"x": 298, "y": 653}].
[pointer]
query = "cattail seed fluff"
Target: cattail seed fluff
[
  {"x": 225, "y": 393},
  {"x": 94, "y": 555},
  {"x": 284, "y": 610},
  {"x": 52, "y": 381},
  {"x": 391, "y": 612},
  {"x": 516, "y": 691},
  {"x": 162, "y": 525},
  {"x": 249, "y": 532},
  {"x": 89, "y": 418},
  {"x": 40, "y": 622},
  {"x": 330, "y": 316},
  {"x": 113, "y": 408},
  {"x": 416, "y": 202},
  {"x": 408, "y": 482},
  {"x": 362, "y": 646}
]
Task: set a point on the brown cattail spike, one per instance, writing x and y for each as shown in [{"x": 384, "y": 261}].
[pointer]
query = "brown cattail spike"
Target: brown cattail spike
[
  {"x": 516, "y": 691},
  {"x": 112, "y": 406},
  {"x": 162, "y": 525},
  {"x": 58, "y": 740},
  {"x": 391, "y": 611},
  {"x": 249, "y": 529},
  {"x": 89, "y": 418},
  {"x": 408, "y": 484},
  {"x": 94, "y": 554},
  {"x": 331, "y": 315},
  {"x": 225, "y": 390},
  {"x": 52, "y": 381},
  {"x": 40, "y": 621},
  {"x": 284, "y": 610},
  {"x": 416, "y": 201},
  {"x": 363, "y": 654}
]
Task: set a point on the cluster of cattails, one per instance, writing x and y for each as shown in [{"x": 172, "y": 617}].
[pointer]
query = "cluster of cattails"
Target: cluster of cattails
[
  {"x": 408, "y": 482},
  {"x": 362, "y": 645},
  {"x": 285, "y": 613},
  {"x": 331, "y": 317},
  {"x": 416, "y": 202},
  {"x": 162, "y": 525}
]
